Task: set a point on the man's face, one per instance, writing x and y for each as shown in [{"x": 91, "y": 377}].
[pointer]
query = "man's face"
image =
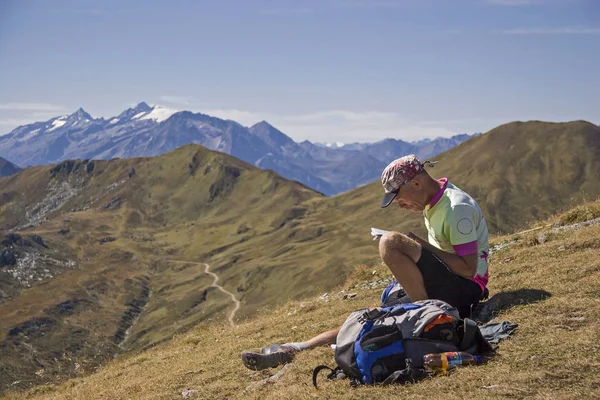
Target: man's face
[{"x": 407, "y": 199}]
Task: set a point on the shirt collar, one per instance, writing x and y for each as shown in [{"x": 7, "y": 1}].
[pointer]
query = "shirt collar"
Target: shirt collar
[{"x": 440, "y": 192}]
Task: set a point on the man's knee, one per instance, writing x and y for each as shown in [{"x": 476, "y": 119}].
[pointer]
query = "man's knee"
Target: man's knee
[{"x": 393, "y": 243}]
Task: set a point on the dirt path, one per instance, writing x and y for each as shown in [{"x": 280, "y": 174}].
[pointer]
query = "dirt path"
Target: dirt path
[{"x": 215, "y": 284}]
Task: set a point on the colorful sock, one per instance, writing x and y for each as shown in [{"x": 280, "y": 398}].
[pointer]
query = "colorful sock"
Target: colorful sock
[{"x": 297, "y": 346}]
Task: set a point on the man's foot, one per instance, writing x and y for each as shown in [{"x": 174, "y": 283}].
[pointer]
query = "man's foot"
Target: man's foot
[{"x": 268, "y": 357}]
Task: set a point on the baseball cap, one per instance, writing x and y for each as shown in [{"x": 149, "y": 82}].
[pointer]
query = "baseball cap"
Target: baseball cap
[{"x": 399, "y": 172}]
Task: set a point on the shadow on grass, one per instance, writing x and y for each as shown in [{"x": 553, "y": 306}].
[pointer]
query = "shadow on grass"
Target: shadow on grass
[{"x": 487, "y": 310}]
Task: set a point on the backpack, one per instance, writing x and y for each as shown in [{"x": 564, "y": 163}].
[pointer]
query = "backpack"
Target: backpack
[{"x": 387, "y": 345}]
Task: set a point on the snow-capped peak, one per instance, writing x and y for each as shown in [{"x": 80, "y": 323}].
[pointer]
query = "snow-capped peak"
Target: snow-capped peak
[
  {"x": 141, "y": 108},
  {"x": 157, "y": 113},
  {"x": 80, "y": 115}
]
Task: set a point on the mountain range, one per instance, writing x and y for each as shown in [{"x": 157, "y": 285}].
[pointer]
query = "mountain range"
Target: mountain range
[
  {"x": 7, "y": 168},
  {"x": 150, "y": 131}
]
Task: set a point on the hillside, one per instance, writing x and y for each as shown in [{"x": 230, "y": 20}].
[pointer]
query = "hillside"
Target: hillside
[
  {"x": 7, "y": 168},
  {"x": 547, "y": 281},
  {"x": 112, "y": 229},
  {"x": 103, "y": 264}
]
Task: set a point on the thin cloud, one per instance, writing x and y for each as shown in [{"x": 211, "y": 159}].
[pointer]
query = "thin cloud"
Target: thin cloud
[
  {"x": 181, "y": 100},
  {"x": 514, "y": 2},
  {"x": 369, "y": 3},
  {"x": 246, "y": 118},
  {"x": 286, "y": 11},
  {"x": 14, "y": 122},
  {"x": 551, "y": 31},
  {"x": 31, "y": 107},
  {"x": 105, "y": 12},
  {"x": 338, "y": 125},
  {"x": 344, "y": 126}
]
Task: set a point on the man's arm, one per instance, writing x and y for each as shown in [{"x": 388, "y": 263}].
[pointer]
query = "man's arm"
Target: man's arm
[{"x": 465, "y": 266}]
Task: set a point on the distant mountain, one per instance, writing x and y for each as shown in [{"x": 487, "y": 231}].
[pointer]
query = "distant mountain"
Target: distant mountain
[
  {"x": 429, "y": 148},
  {"x": 389, "y": 149},
  {"x": 7, "y": 168},
  {"x": 274, "y": 138},
  {"x": 150, "y": 131},
  {"x": 331, "y": 145}
]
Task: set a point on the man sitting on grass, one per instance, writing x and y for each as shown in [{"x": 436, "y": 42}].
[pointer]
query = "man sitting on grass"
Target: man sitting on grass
[{"x": 451, "y": 265}]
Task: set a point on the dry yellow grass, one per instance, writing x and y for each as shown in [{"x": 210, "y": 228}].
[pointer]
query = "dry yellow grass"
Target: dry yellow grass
[{"x": 555, "y": 353}]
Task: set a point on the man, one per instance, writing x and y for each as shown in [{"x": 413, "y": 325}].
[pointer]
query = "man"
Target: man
[{"x": 450, "y": 266}]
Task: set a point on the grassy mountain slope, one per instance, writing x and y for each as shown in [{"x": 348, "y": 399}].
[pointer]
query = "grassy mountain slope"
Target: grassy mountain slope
[
  {"x": 102, "y": 220},
  {"x": 268, "y": 239},
  {"x": 548, "y": 281}
]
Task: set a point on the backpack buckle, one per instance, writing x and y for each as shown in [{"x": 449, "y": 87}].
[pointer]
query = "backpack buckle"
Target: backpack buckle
[{"x": 372, "y": 315}]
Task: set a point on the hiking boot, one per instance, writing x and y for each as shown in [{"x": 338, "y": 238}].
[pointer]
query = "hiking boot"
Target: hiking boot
[{"x": 268, "y": 357}]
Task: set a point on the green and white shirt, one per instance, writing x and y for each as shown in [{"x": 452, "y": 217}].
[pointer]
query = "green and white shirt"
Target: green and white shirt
[{"x": 455, "y": 224}]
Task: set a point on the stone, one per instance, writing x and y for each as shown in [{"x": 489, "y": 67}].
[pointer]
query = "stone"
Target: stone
[{"x": 188, "y": 392}]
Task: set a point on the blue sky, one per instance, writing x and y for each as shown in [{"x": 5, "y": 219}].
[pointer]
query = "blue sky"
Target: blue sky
[{"x": 323, "y": 70}]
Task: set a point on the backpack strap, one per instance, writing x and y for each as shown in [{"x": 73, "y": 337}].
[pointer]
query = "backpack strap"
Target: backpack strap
[
  {"x": 406, "y": 375},
  {"x": 383, "y": 312},
  {"x": 336, "y": 373},
  {"x": 469, "y": 334},
  {"x": 473, "y": 341}
]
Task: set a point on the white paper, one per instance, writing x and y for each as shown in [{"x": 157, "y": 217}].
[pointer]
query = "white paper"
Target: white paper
[{"x": 377, "y": 233}]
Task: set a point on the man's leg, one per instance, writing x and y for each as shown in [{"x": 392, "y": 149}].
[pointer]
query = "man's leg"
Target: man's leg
[
  {"x": 278, "y": 354},
  {"x": 401, "y": 254},
  {"x": 443, "y": 284},
  {"x": 323, "y": 339}
]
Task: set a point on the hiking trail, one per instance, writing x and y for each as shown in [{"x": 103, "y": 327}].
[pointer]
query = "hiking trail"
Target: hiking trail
[{"x": 215, "y": 284}]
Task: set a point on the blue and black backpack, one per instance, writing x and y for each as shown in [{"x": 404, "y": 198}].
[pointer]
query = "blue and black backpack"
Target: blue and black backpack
[{"x": 386, "y": 345}]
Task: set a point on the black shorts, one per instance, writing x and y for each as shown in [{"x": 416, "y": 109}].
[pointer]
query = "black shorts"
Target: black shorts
[{"x": 443, "y": 284}]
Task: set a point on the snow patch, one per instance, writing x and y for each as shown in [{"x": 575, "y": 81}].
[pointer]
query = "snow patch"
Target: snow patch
[
  {"x": 160, "y": 114},
  {"x": 30, "y": 134},
  {"x": 57, "y": 123},
  {"x": 113, "y": 121},
  {"x": 136, "y": 116}
]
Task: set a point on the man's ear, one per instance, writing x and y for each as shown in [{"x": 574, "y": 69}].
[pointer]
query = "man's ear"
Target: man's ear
[{"x": 416, "y": 184}]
